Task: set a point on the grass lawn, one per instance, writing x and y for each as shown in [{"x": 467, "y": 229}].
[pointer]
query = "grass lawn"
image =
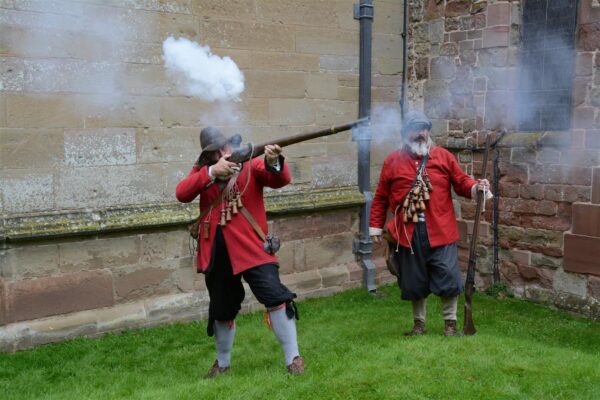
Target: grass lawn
[{"x": 353, "y": 348}]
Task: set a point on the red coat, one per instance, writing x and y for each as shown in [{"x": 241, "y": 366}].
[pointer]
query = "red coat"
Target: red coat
[
  {"x": 243, "y": 243},
  {"x": 397, "y": 175}
]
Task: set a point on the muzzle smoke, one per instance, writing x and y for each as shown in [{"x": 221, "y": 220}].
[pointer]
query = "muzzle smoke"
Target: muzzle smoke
[{"x": 200, "y": 73}]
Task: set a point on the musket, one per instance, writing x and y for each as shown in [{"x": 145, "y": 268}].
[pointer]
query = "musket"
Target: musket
[
  {"x": 469, "y": 325},
  {"x": 248, "y": 151}
]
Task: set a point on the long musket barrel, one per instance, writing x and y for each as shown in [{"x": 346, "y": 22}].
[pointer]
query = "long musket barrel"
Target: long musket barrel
[
  {"x": 469, "y": 325},
  {"x": 248, "y": 151}
]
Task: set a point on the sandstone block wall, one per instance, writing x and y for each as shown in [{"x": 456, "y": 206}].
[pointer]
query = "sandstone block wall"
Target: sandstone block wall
[{"x": 94, "y": 136}]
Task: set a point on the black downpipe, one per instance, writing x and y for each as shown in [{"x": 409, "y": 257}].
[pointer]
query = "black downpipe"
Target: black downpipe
[
  {"x": 362, "y": 247},
  {"x": 404, "y": 59}
]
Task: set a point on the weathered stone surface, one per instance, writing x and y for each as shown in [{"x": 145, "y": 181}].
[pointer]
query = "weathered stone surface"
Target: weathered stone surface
[
  {"x": 334, "y": 276},
  {"x": 164, "y": 246},
  {"x": 594, "y": 286},
  {"x": 25, "y": 148},
  {"x": 275, "y": 84},
  {"x": 26, "y": 190},
  {"x": 309, "y": 226},
  {"x": 110, "y": 186},
  {"x": 498, "y": 14},
  {"x": 386, "y": 45},
  {"x": 337, "y": 63},
  {"x": 100, "y": 253},
  {"x": 230, "y": 9},
  {"x": 322, "y": 86},
  {"x": 329, "y": 250},
  {"x": 589, "y": 36},
  {"x": 44, "y": 111},
  {"x": 442, "y": 68},
  {"x": 302, "y": 281},
  {"x": 62, "y": 328},
  {"x": 570, "y": 283},
  {"x": 596, "y": 186},
  {"x": 125, "y": 316},
  {"x": 327, "y": 41},
  {"x": 456, "y": 8},
  {"x": 188, "y": 306},
  {"x": 26, "y": 262},
  {"x": 286, "y": 257},
  {"x": 3, "y": 308},
  {"x": 582, "y": 254},
  {"x": 247, "y": 35},
  {"x": 291, "y": 12},
  {"x": 496, "y": 37},
  {"x": 536, "y": 240},
  {"x": 96, "y": 147},
  {"x": 3, "y": 118},
  {"x": 62, "y": 294},
  {"x": 142, "y": 282},
  {"x": 542, "y": 260},
  {"x": 334, "y": 173},
  {"x": 286, "y": 61},
  {"x": 291, "y": 111},
  {"x": 12, "y": 74}
]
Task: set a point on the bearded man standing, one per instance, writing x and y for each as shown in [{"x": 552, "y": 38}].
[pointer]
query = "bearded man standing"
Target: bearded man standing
[
  {"x": 232, "y": 218},
  {"x": 415, "y": 184}
]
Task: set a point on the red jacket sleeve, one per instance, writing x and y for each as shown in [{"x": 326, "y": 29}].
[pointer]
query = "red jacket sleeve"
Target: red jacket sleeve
[
  {"x": 191, "y": 186},
  {"x": 461, "y": 182},
  {"x": 381, "y": 199},
  {"x": 269, "y": 177}
]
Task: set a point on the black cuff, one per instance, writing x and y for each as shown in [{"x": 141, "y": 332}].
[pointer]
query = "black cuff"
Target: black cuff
[{"x": 273, "y": 170}]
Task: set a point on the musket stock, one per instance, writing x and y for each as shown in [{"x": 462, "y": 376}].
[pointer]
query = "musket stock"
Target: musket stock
[{"x": 249, "y": 150}]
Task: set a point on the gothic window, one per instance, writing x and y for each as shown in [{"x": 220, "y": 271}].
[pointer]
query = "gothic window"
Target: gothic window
[{"x": 547, "y": 64}]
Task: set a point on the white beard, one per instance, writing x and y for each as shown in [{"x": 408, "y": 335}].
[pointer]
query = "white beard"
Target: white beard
[{"x": 420, "y": 148}]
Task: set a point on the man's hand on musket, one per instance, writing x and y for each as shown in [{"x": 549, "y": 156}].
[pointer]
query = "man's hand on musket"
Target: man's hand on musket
[
  {"x": 482, "y": 185},
  {"x": 223, "y": 168},
  {"x": 272, "y": 153}
]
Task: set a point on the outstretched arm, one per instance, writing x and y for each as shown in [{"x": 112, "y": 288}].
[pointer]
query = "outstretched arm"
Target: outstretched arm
[{"x": 191, "y": 186}]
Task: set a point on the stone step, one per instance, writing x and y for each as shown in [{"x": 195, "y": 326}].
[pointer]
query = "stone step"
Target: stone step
[
  {"x": 586, "y": 219},
  {"x": 582, "y": 254}
]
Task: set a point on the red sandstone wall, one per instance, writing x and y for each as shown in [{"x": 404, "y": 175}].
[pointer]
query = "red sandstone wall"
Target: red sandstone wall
[{"x": 464, "y": 66}]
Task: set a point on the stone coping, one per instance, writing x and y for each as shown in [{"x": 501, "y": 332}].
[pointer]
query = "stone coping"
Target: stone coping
[
  {"x": 15, "y": 227},
  {"x": 532, "y": 140}
]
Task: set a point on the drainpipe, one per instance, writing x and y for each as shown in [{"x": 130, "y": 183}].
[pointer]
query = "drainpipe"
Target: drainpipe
[
  {"x": 404, "y": 58},
  {"x": 362, "y": 247}
]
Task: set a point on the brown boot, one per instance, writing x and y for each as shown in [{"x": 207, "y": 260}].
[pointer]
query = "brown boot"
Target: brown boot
[
  {"x": 216, "y": 370},
  {"x": 297, "y": 366},
  {"x": 418, "y": 329},
  {"x": 449, "y": 327}
]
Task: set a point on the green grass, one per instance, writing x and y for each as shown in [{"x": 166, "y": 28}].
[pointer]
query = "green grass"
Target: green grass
[{"x": 353, "y": 348}]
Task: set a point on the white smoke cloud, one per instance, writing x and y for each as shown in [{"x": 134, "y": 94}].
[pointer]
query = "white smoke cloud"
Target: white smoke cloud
[
  {"x": 386, "y": 123},
  {"x": 200, "y": 73}
]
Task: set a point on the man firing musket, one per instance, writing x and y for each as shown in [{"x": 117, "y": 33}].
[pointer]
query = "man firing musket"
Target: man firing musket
[{"x": 232, "y": 239}]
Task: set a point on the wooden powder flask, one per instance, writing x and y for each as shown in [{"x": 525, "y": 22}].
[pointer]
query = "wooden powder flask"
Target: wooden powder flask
[
  {"x": 234, "y": 208},
  {"x": 223, "y": 218},
  {"x": 206, "y": 229},
  {"x": 228, "y": 214}
]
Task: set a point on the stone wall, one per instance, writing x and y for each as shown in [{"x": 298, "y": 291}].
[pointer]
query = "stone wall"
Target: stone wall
[
  {"x": 464, "y": 72},
  {"x": 94, "y": 137}
]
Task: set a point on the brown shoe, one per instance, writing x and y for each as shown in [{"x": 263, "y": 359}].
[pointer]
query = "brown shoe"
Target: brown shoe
[
  {"x": 418, "y": 329},
  {"x": 449, "y": 327},
  {"x": 216, "y": 370},
  {"x": 297, "y": 366}
]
